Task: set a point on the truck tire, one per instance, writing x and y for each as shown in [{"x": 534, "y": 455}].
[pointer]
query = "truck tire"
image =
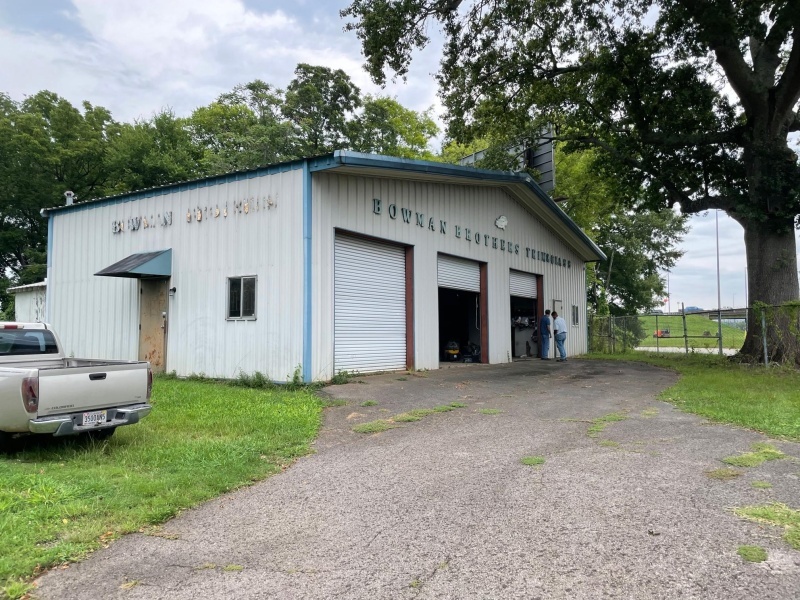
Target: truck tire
[
  {"x": 4, "y": 439},
  {"x": 101, "y": 434}
]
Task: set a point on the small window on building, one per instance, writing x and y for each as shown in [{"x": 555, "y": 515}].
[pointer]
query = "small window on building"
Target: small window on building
[
  {"x": 575, "y": 320},
  {"x": 241, "y": 298}
]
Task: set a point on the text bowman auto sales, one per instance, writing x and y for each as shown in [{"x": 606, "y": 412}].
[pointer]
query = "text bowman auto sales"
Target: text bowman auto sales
[{"x": 466, "y": 234}]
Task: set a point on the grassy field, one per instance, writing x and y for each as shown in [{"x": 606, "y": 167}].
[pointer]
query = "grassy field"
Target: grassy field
[
  {"x": 61, "y": 498},
  {"x": 766, "y": 400},
  {"x": 696, "y": 327}
]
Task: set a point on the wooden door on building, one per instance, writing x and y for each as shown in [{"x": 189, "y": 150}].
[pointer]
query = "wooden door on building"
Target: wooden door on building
[{"x": 153, "y": 304}]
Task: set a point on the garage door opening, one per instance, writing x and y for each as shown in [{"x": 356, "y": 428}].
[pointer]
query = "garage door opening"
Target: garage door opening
[
  {"x": 524, "y": 319},
  {"x": 459, "y": 326},
  {"x": 524, "y": 293},
  {"x": 463, "y": 335}
]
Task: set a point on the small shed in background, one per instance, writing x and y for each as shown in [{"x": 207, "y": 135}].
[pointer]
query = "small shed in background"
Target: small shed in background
[{"x": 29, "y": 302}]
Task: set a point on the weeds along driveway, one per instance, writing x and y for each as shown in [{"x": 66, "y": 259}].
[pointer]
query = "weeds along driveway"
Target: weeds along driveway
[{"x": 622, "y": 506}]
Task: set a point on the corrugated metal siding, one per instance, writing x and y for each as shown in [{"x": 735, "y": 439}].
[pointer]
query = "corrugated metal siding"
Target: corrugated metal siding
[
  {"x": 369, "y": 306},
  {"x": 458, "y": 273},
  {"x": 346, "y": 202},
  {"x": 98, "y": 316},
  {"x": 522, "y": 284},
  {"x": 29, "y": 306}
]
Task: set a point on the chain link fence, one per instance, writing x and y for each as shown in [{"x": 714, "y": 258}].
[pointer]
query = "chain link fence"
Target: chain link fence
[{"x": 710, "y": 332}]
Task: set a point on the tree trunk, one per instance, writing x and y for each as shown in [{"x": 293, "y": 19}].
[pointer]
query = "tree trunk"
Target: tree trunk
[{"x": 771, "y": 280}]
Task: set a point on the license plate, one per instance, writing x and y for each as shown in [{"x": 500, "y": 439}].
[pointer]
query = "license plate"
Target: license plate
[{"x": 94, "y": 418}]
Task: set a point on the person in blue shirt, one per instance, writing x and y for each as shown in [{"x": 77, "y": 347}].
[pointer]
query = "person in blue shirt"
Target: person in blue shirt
[{"x": 544, "y": 335}]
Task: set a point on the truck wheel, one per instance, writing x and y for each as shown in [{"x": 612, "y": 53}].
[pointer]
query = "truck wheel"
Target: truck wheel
[
  {"x": 4, "y": 439},
  {"x": 101, "y": 434}
]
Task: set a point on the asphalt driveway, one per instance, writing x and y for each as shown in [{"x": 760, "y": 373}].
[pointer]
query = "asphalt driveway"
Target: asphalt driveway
[{"x": 443, "y": 507}]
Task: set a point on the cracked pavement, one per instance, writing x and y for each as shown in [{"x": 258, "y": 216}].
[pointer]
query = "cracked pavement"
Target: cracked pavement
[{"x": 443, "y": 507}]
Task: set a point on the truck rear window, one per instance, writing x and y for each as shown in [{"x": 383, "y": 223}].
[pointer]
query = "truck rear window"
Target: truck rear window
[{"x": 15, "y": 342}]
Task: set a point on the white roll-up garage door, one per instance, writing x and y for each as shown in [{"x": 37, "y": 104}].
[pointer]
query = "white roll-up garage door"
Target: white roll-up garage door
[
  {"x": 459, "y": 273},
  {"x": 369, "y": 306},
  {"x": 522, "y": 284}
]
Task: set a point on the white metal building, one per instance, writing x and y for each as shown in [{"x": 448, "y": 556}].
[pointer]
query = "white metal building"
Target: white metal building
[
  {"x": 343, "y": 262},
  {"x": 29, "y": 302}
]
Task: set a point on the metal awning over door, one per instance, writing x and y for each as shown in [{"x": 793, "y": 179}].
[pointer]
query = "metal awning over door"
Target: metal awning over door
[
  {"x": 143, "y": 264},
  {"x": 369, "y": 305},
  {"x": 522, "y": 284},
  {"x": 459, "y": 273}
]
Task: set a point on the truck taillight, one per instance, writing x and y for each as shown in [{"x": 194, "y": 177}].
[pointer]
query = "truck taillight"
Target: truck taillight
[
  {"x": 149, "y": 382},
  {"x": 30, "y": 393}
]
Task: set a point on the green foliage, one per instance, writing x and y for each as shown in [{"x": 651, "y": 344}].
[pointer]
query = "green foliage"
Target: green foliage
[
  {"x": 244, "y": 129},
  {"x": 151, "y": 153},
  {"x": 638, "y": 242},
  {"x": 319, "y": 101},
  {"x": 384, "y": 126},
  {"x": 684, "y": 103},
  {"x": 63, "y": 497},
  {"x": 256, "y": 381},
  {"x": 532, "y": 461},
  {"x": 342, "y": 377}
]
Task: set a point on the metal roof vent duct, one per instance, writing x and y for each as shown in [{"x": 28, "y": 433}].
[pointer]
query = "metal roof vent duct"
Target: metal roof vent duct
[{"x": 71, "y": 197}]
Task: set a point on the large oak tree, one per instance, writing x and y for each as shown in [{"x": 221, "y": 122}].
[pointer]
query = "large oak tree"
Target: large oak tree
[{"x": 692, "y": 101}]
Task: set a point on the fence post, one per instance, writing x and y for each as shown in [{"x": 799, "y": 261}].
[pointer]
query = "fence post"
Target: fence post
[
  {"x": 624, "y": 334},
  {"x": 764, "y": 337},
  {"x": 657, "y": 340},
  {"x": 685, "y": 332}
]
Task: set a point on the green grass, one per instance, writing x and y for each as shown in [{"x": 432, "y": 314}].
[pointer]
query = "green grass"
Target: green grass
[
  {"x": 374, "y": 426},
  {"x": 752, "y": 553},
  {"x": 761, "y": 453},
  {"x": 760, "y": 485},
  {"x": 721, "y": 390},
  {"x": 696, "y": 326},
  {"x": 724, "y": 474},
  {"x": 490, "y": 411},
  {"x": 61, "y": 498},
  {"x": 532, "y": 461},
  {"x": 369, "y": 403},
  {"x": 776, "y": 514},
  {"x": 416, "y": 414},
  {"x": 600, "y": 423}
]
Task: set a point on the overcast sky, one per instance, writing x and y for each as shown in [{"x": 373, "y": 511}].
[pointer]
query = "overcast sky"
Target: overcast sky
[{"x": 135, "y": 57}]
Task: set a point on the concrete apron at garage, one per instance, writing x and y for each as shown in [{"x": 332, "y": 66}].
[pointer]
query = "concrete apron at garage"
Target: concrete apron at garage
[{"x": 443, "y": 508}]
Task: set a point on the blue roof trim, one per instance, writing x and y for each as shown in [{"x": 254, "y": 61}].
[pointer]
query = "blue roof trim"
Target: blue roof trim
[{"x": 182, "y": 186}]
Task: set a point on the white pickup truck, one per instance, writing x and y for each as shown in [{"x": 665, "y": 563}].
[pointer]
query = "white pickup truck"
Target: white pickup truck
[{"x": 43, "y": 391}]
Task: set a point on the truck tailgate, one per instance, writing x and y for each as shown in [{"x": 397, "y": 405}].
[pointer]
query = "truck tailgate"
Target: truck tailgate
[{"x": 86, "y": 388}]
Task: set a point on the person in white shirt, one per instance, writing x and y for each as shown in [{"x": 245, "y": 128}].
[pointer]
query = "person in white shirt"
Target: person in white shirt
[{"x": 560, "y": 334}]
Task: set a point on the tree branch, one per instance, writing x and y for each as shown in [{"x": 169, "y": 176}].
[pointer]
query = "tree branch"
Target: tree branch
[
  {"x": 723, "y": 41},
  {"x": 687, "y": 202},
  {"x": 787, "y": 92}
]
